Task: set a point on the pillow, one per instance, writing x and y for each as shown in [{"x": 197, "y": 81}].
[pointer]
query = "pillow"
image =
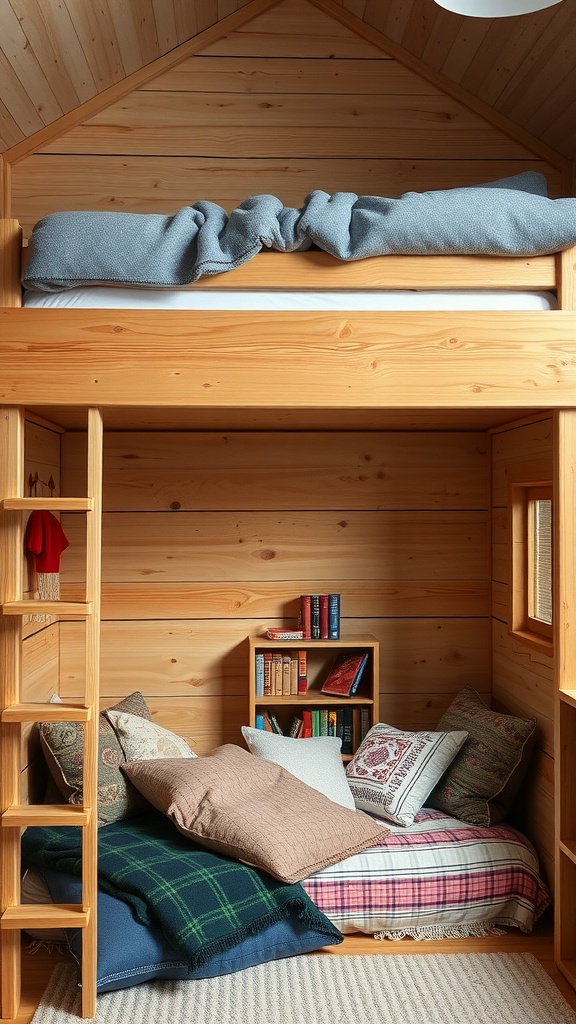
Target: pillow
[
  {"x": 63, "y": 746},
  {"x": 244, "y": 807},
  {"x": 142, "y": 740},
  {"x": 315, "y": 760},
  {"x": 130, "y": 952},
  {"x": 392, "y": 772},
  {"x": 483, "y": 779}
]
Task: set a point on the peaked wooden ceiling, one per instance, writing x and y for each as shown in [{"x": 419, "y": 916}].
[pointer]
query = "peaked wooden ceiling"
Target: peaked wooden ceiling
[{"x": 56, "y": 56}]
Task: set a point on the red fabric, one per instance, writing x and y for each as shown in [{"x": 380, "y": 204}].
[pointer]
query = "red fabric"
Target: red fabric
[{"x": 46, "y": 540}]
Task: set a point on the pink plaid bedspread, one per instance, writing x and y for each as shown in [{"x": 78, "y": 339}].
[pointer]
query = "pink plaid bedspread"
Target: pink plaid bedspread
[{"x": 437, "y": 878}]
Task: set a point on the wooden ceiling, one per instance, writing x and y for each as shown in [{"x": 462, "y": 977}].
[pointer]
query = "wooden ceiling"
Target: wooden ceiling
[{"x": 56, "y": 56}]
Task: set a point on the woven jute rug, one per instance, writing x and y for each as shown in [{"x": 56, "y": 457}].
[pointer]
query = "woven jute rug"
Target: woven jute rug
[{"x": 437, "y": 988}]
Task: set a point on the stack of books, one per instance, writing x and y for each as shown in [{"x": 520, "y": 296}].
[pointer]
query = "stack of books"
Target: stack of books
[
  {"x": 320, "y": 616},
  {"x": 281, "y": 673}
]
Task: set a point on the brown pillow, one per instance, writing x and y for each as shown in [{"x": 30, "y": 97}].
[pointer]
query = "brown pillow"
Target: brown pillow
[
  {"x": 483, "y": 779},
  {"x": 63, "y": 746},
  {"x": 256, "y": 811}
]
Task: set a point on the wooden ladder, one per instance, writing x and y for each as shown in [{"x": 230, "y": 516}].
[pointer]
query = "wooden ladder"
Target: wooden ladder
[{"x": 15, "y": 816}]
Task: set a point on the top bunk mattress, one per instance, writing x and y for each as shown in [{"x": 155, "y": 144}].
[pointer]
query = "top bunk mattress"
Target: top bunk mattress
[{"x": 342, "y": 299}]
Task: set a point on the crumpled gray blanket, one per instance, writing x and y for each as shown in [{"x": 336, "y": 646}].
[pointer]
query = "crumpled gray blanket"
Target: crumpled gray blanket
[{"x": 511, "y": 217}]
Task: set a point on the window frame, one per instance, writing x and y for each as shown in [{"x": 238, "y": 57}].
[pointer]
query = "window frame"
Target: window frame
[{"x": 524, "y": 626}]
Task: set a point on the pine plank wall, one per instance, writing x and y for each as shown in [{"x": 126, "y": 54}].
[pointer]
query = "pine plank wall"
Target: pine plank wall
[{"x": 211, "y": 535}]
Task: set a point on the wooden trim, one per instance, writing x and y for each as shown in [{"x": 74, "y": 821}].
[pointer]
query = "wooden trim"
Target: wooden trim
[
  {"x": 398, "y": 52},
  {"x": 10, "y": 262},
  {"x": 523, "y": 421},
  {"x": 566, "y": 278},
  {"x": 11, "y": 546},
  {"x": 120, "y": 89}
]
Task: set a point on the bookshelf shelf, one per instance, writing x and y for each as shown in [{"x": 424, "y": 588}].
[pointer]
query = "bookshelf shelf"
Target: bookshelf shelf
[{"x": 286, "y": 704}]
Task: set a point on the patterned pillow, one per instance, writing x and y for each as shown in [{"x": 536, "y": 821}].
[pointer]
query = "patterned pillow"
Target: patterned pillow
[
  {"x": 63, "y": 746},
  {"x": 316, "y": 760},
  {"x": 244, "y": 807},
  {"x": 393, "y": 772},
  {"x": 142, "y": 740},
  {"x": 484, "y": 778}
]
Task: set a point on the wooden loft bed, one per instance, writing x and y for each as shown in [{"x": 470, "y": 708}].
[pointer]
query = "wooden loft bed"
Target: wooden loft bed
[
  {"x": 258, "y": 370},
  {"x": 225, "y": 361}
]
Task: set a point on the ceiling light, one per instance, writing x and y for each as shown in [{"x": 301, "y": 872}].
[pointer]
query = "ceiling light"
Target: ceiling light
[{"x": 495, "y": 8}]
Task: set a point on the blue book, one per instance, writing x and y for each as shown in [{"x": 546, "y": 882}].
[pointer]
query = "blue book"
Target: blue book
[
  {"x": 259, "y": 722},
  {"x": 333, "y": 616}
]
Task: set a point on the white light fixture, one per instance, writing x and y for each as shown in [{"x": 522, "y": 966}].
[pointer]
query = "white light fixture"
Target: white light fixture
[{"x": 495, "y": 8}]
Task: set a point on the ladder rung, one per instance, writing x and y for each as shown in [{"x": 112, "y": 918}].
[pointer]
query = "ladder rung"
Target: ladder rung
[
  {"x": 45, "y": 915},
  {"x": 46, "y": 713},
  {"x": 20, "y": 815},
  {"x": 77, "y": 609},
  {"x": 49, "y": 504}
]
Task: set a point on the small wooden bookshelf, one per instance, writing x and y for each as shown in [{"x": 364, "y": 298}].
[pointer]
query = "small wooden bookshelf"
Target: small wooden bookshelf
[{"x": 320, "y": 655}]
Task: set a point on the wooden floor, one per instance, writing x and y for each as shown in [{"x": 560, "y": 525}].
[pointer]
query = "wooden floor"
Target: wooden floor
[{"x": 36, "y": 968}]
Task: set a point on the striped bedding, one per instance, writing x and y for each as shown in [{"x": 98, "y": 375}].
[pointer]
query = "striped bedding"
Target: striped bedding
[{"x": 438, "y": 878}]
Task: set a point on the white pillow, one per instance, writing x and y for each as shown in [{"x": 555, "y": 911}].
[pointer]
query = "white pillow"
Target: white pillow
[
  {"x": 393, "y": 772},
  {"x": 142, "y": 740},
  {"x": 315, "y": 760}
]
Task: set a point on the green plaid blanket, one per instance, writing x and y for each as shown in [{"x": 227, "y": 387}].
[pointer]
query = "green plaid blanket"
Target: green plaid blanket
[{"x": 203, "y": 902}]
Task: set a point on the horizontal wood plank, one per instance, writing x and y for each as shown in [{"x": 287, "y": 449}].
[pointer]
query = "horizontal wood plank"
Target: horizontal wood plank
[
  {"x": 272, "y": 139},
  {"x": 267, "y": 75},
  {"x": 276, "y": 600},
  {"x": 260, "y": 546},
  {"x": 85, "y": 357},
  {"x": 162, "y": 185},
  {"x": 379, "y": 470},
  {"x": 194, "y": 658}
]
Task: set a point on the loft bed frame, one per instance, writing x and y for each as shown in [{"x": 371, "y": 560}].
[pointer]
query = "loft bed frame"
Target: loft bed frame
[{"x": 255, "y": 370}]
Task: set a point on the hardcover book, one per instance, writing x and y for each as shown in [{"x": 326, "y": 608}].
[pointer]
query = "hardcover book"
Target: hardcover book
[{"x": 345, "y": 673}]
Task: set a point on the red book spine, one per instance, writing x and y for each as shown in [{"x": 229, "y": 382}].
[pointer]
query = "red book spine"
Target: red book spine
[{"x": 302, "y": 672}]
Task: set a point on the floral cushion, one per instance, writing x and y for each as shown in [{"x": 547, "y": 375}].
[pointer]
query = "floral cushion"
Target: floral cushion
[
  {"x": 393, "y": 771},
  {"x": 142, "y": 740},
  {"x": 63, "y": 746}
]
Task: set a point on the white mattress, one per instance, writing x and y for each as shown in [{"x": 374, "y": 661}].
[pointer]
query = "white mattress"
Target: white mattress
[{"x": 139, "y": 298}]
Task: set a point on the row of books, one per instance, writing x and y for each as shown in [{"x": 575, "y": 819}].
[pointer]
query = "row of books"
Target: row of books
[
  {"x": 281, "y": 673},
  {"x": 350, "y": 724},
  {"x": 320, "y": 616}
]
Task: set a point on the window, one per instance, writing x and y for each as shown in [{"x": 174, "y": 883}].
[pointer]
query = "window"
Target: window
[{"x": 531, "y": 517}]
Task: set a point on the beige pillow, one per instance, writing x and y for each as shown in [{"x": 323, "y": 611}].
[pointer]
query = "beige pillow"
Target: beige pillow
[
  {"x": 142, "y": 740},
  {"x": 251, "y": 809}
]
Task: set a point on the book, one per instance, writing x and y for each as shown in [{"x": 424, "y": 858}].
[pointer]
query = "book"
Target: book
[
  {"x": 347, "y": 736},
  {"x": 302, "y": 672},
  {"x": 267, "y": 673},
  {"x": 260, "y": 674},
  {"x": 276, "y": 674},
  {"x": 259, "y": 722},
  {"x": 271, "y": 723},
  {"x": 333, "y": 616},
  {"x": 294, "y": 674},
  {"x": 323, "y": 603},
  {"x": 286, "y": 675},
  {"x": 306, "y": 616},
  {"x": 306, "y": 731},
  {"x": 315, "y": 627},
  {"x": 296, "y": 727},
  {"x": 345, "y": 673}
]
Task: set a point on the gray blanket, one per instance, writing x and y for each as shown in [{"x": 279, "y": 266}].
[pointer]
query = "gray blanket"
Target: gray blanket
[{"x": 511, "y": 217}]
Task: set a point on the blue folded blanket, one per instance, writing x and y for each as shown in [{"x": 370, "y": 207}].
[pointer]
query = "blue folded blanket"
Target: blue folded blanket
[{"x": 512, "y": 217}]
